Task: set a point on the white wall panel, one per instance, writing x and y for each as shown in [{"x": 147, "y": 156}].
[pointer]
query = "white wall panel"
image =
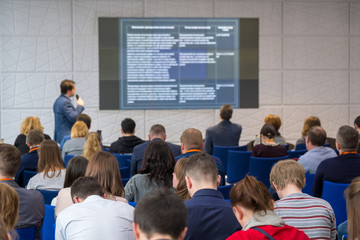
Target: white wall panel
[
  {"x": 87, "y": 85},
  {"x": 164, "y": 8},
  {"x": 355, "y": 87},
  {"x": 86, "y": 53},
  {"x": 355, "y": 17},
  {"x": 270, "y": 50},
  {"x": 355, "y": 52},
  {"x": 270, "y": 88}
]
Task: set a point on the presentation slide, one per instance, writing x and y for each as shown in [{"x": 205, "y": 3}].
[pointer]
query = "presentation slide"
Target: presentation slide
[{"x": 169, "y": 63}]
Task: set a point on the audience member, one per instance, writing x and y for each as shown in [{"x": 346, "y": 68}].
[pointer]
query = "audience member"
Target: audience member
[
  {"x": 268, "y": 147},
  {"x": 28, "y": 124},
  {"x": 9, "y": 206},
  {"x": 64, "y": 111},
  {"x": 224, "y": 133},
  {"x": 29, "y": 161},
  {"x": 343, "y": 168},
  {"x": 51, "y": 173},
  {"x": 92, "y": 217},
  {"x": 179, "y": 182},
  {"x": 276, "y": 122},
  {"x": 157, "y": 133},
  {"x": 4, "y": 234},
  {"x": 312, "y": 215},
  {"x": 160, "y": 215},
  {"x": 309, "y": 122},
  {"x": 253, "y": 208},
  {"x": 126, "y": 143},
  {"x": 316, "y": 152},
  {"x": 156, "y": 171},
  {"x": 352, "y": 195},
  {"x": 81, "y": 117},
  {"x": 75, "y": 145},
  {"x": 31, "y": 202},
  {"x": 104, "y": 167},
  {"x": 76, "y": 168},
  {"x": 209, "y": 215},
  {"x": 92, "y": 145},
  {"x": 357, "y": 127}
]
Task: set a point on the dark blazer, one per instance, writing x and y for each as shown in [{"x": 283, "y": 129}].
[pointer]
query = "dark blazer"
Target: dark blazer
[
  {"x": 20, "y": 143},
  {"x": 139, "y": 150},
  {"x": 28, "y": 162},
  {"x": 224, "y": 133}
]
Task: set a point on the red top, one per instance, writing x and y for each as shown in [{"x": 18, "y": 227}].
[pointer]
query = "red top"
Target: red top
[{"x": 286, "y": 232}]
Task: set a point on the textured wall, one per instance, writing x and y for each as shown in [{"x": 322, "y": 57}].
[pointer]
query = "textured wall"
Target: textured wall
[{"x": 309, "y": 62}]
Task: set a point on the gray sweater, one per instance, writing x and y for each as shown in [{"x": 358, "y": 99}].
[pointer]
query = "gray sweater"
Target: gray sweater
[
  {"x": 74, "y": 146},
  {"x": 138, "y": 186}
]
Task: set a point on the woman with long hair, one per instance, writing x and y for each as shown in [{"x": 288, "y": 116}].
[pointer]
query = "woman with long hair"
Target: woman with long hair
[
  {"x": 51, "y": 171},
  {"x": 104, "y": 167},
  {"x": 92, "y": 145},
  {"x": 352, "y": 195},
  {"x": 9, "y": 207},
  {"x": 156, "y": 171},
  {"x": 253, "y": 208},
  {"x": 179, "y": 182},
  {"x": 75, "y": 145},
  {"x": 309, "y": 122}
]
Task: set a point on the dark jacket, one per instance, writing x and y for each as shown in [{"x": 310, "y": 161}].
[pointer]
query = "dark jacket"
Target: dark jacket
[{"x": 125, "y": 144}]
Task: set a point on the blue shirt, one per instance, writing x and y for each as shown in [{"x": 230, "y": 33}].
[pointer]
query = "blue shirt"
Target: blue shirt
[
  {"x": 312, "y": 158},
  {"x": 210, "y": 216},
  {"x": 65, "y": 116}
]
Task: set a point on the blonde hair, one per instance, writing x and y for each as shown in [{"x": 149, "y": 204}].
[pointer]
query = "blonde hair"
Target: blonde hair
[
  {"x": 92, "y": 145},
  {"x": 192, "y": 138},
  {"x": 49, "y": 158},
  {"x": 79, "y": 129},
  {"x": 309, "y": 122},
  {"x": 287, "y": 171},
  {"x": 273, "y": 120},
  {"x": 30, "y": 123},
  {"x": 352, "y": 194},
  {"x": 179, "y": 171},
  {"x": 9, "y": 206}
]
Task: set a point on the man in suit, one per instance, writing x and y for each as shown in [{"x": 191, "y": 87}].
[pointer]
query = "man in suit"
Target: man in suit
[
  {"x": 64, "y": 111},
  {"x": 157, "y": 133},
  {"x": 224, "y": 133}
]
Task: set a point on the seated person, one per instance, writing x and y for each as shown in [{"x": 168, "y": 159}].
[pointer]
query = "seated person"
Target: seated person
[
  {"x": 352, "y": 195},
  {"x": 29, "y": 161},
  {"x": 209, "y": 215},
  {"x": 309, "y": 122},
  {"x": 316, "y": 152},
  {"x": 253, "y": 208},
  {"x": 9, "y": 207},
  {"x": 93, "y": 217},
  {"x": 156, "y": 171},
  {"x": 51, "y": 171},
  {"x": 276, "y": 122},
  {"x": 268, "y": 148},
  {"x": 75, "y": 145},
  {"x": 81, "y": 117},
  {"x": 179, "y": 183},
  {"x": 92, "y": 145},
  {"x": 357, "y": 127},
  {"x": 160, "y": 215},
  {"x": 28, "y": 124},
  {"x": 312, "y": 215},
  {"x": 4, "y": 234},
  {"x": 126, "y": 143}
]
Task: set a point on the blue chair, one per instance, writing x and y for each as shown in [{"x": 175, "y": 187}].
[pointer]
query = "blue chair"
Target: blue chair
[
  {"x": 300, "y": 147},
  {"x": 225, "y": 190},
  {"x": 238, "y": 165},
  {"x": 308, "y": 183},
  {"x": 132, "y": 204},
  {"x": 222, "y": 152},
  {"x": 27, "y": 175},
  {"x": 67, "y": 159},
  {"x": 48, "y": 195},
  {"x": 261, "y": 167},
  {"x": 48, "y": 227},
  {"x": 296, "y": 153},
  {"x": 124, "y": 181},
  {"x": 122, "y": 159},
  {"x": 26, "y": 233},
  {"x": 334, "y": 194},
  {"x": 125, "y": 172}
]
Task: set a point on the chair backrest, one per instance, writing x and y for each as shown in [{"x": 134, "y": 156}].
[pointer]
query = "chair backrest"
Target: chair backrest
[
  {"x": 222, "y": 152},
  {"x": 121, "y": 158},
  {"x": 132, "y": 204},
  {"x": 225, "y": 190},
  {"x": 26, "y": 233},
  {"x": 67, "y": 159},
  {"x": 300, "y": 146},
  {"x": 124, "y": 181},
  {"x": 125, "y": 172},
  {"x": 334, "y": 194},
  {"x": 308, "y": 183},
  {"x": 238, "y": 165},
  {"x": 48, "y": 195},
  {"x": 261, "y": 167},
  {"x": 27, "y": 175},
  {"x": 296, "y": 153},
  {"x": 48, "y": 227}
]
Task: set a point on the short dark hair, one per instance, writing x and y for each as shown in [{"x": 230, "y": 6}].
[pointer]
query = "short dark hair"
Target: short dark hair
[
  {"x": 357, "y": 121},
  {"x": 35, "y": 137},
  {"x": 201, "y": 167},
  {"x": 226, "y": 111},
  {"x": 128, "y": 125},
  {"x": 157, "y": 129},
  {"x": 76, "y": 168},
  {"x": 268, "y": 130},
  {"x": 84, "y": 187},
  {"x": 85, "y": 118},
  {"x": 66, "y": 85},
  {"x": 317, "y": 136},
  {"x": 348, "y": 138},
  {"x": 10, "y": 159},
  {"x": 161, "y": 211}
]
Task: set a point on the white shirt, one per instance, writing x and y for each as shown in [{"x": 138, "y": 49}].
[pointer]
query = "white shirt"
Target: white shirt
[{"x": 95, "y": 218}]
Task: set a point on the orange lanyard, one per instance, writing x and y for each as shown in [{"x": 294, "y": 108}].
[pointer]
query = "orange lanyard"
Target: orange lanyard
[
  {"x": 347, "y": 152},
  {"x": 33, "y": 149},
  {"x": 193, "y": 150},
  {"x": 6, "y": 179}
]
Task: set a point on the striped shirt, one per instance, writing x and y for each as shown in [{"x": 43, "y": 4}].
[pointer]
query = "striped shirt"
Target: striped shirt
[{"x": 312, "y": 215}]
